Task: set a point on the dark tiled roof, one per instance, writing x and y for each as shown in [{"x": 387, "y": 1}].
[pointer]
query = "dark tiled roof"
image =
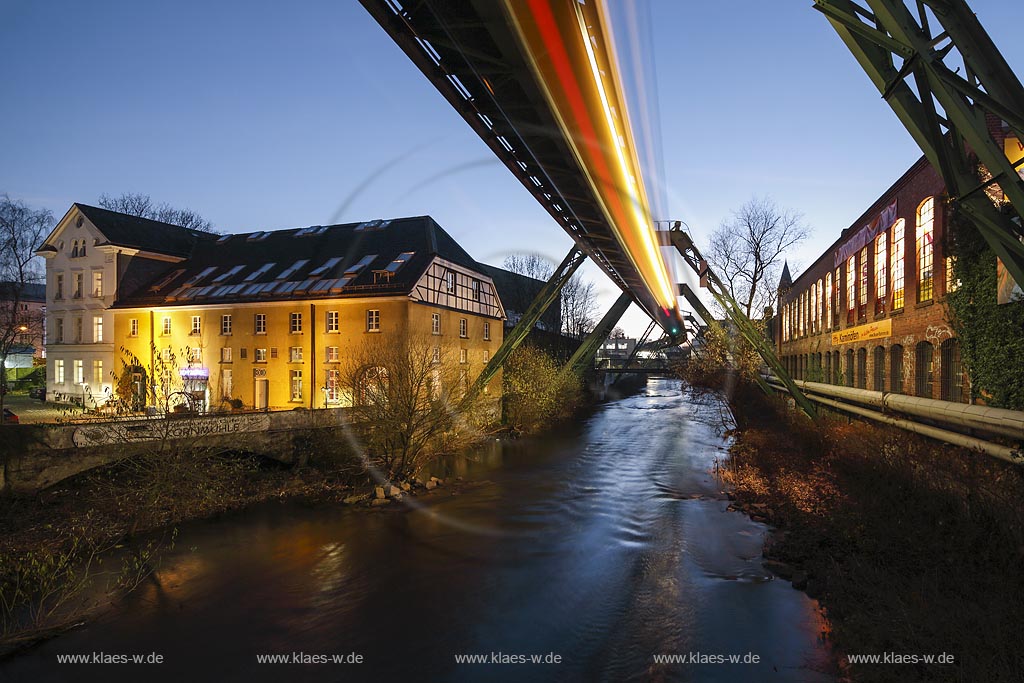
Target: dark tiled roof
[
  {"x": 29, "y": 291},
  {"x": 142, "y": 233},
  {"x": 354, "y": 259},
  {"x": 517, "y": 292}
]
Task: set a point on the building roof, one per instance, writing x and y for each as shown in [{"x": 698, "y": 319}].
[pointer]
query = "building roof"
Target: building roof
[
  {"x": 30, "y": 292},
  {"x": 144, "y": 234},
  {"x": 518, "y": 291},
  {"x": 785, "y": 280},
  {"x": 321, "y": 261}
]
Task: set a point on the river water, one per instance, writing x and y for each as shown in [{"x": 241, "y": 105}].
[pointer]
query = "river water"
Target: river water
[{"x": 604, "y": 545}]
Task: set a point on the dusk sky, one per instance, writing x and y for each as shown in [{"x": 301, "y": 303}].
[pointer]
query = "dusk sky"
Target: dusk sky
[{"x": 266, "y": 115}]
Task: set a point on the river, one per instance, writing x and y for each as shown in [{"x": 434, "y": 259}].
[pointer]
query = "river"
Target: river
[{"x": 603, "y": 545}]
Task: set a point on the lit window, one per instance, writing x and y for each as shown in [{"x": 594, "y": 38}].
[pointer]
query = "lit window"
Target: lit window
[
  {"x": 881, "y": 272},
  {"x": 862, "y": 295},
  {"x": 225, "y": 324},
  {"x": 194, "y": 354},
  {"x": 435, "y": 323},
  {"x": 952, "y": 283},
  {"x": 225, "y": 354},
  {"x": 197, "y": 325},
  {"x": 373, "y": 320},
  {"x": 487, "y": 355},
  {"x": 167, "y": 355},
  {"x": 897, "y": 264},
  {"x": 295, "y": 354},
  {"x": 828, "y": 300},
  {"x": 295, "y": 323},
  {"x": 296, "y": 385},
  {"x": 79, "y": 372},
  {"x": 462, "y": 355},
  {"x": 97, "y": 372},
  {"x": 58, "y": 371},
  {"x": 97, "y": 328},
  {"x": 333, "y": 323},
  {"x": 814, "y": 307},
  {"x": 925, "y": 255},
  {"x": 165, "y": 328},
  {"x": 436, "y": 357},
  {"x": 133, "y": 327},
  {"x": 260, "y": 356},
  {"x": 226, "y": 383},
  {"x": 333, "y": 386},
  {"x": 487, "y": 331},
  {"x": 333, "y": 354},
  {"x": 851, "y": 289},
  {"x": 260, "y": 323},
  {"x": 463, "y": 328},
  {"x": 97, "y": 283}
]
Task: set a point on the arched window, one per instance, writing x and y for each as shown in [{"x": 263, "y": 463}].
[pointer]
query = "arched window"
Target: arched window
[
  {"x": 879, "y": 370},
  {"x": 851, "y": 290},
  {"x": 897, "y": 264},
  {"x": 849, "y": 367},
  {"x": 896, "y": 369},
  {"x": 814, "y": 307},
  {"x": 951, "y": 372},
  {"x": 925, "y": 255},
  {"x": 828, "y": 301},
  {"x": 836, "y": 370},
  {"x": 828, "y": 368},
  {"x": 924, "y": 363},
  {"x": 881, "y": 272},
  {"x": 862, "y": 368},
  {"x": 74, "y": 249}
]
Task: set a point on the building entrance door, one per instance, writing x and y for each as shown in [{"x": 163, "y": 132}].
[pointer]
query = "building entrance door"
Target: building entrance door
[{"x": 262, "y": 389}]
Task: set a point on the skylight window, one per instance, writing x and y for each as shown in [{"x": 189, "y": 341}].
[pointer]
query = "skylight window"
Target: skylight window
[
  {"x": 224, "y": 238},
  {"x": 197, "y": 278},
  {"x": 357, "y": 268},
  {"x": 311, "y": 230},
  {"x": 399, "y": 261},
  {"x": 167, "y": 280},
  {"x": 262, "y": 270},
  {"x": 234, "y": 270},
  {"x": 331, "y": 263},
  {"x": 257, "y": 236},
  {"x": 287, "y": 272}
]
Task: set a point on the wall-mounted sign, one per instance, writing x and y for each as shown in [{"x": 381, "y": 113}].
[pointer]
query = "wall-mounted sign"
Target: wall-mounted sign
[
  {"x": 195, "y": 373},
  {"x": 875, "y": 330}
]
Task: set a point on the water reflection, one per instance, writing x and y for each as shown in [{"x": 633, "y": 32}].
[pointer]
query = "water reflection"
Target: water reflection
[{"x": 606, "y": 543}]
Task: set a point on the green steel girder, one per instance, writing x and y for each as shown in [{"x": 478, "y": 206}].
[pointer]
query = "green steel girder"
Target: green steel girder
[
  {"x": 691, "y": 255},
  {"x": 548, "y": 294},
  {"x": 987, "y": 85},
  {"x": 584, "y": 355}
]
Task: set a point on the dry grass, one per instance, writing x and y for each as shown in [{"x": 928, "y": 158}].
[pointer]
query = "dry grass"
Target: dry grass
[{"x": 912, "y": 546}]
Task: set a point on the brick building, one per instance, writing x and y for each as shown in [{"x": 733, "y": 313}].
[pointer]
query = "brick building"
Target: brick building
[{"x": 870, "y": 312}]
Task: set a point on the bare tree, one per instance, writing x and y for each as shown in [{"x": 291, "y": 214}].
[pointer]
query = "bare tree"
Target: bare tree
[
  {"x": 407, "y": 398},
  {"x": 578, "y": 297},
  {"x": 22, "y": 229},
  {"x": 142, "y": 205},
  {"x": 746, "y": 250}
]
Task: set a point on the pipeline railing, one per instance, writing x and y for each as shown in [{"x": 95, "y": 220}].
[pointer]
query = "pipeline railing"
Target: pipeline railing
[{"x": 900, "y": 410}]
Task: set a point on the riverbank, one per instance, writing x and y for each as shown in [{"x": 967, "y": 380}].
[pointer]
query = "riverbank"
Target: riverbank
[{"x": 913, "y": 547}]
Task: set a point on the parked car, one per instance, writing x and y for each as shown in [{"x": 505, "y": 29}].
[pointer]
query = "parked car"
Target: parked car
[
  {"x": 9, "y": 417},
  {"x": 37, "y": 392}
]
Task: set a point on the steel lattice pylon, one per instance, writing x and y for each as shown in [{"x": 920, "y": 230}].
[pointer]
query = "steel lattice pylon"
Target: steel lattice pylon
[{"x": 944, "y": 78}]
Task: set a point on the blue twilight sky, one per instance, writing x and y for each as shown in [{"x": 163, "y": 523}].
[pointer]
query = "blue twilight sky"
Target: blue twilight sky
[{"x": 272, "y": 115}]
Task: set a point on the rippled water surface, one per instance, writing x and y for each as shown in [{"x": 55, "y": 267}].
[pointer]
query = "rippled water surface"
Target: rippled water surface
[{"x": 606, "y": 544}]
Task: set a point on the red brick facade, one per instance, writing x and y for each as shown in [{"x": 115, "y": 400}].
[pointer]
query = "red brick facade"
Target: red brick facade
[{"x": 883, "y": 344}]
